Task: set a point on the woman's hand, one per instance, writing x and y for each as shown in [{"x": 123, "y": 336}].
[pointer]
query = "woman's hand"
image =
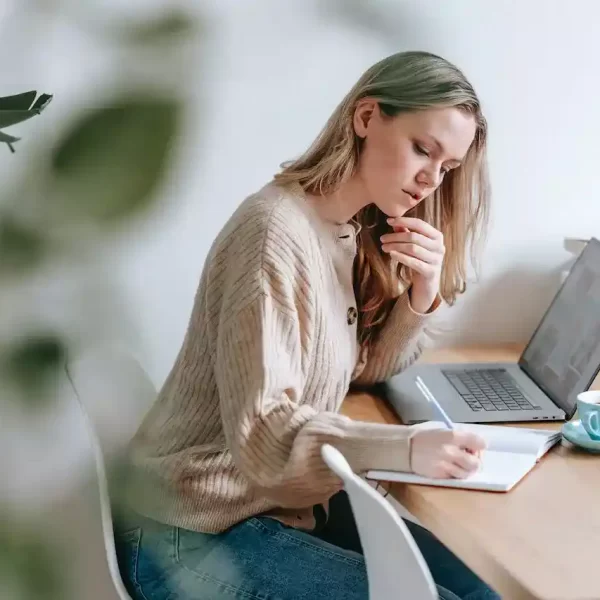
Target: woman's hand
[
  {"x": 445, "y": 453},
  {"x": 420, "y": 247}
]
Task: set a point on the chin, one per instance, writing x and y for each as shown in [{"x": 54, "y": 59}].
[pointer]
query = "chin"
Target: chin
[
  {"x": 399, "y": 210},
  {"x": 395, "y": 206}
]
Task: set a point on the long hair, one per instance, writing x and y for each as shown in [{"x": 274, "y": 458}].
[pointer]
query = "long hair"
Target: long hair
[{"x": 406, "y": 81}]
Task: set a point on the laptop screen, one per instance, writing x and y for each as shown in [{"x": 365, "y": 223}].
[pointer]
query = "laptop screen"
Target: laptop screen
[{"x": 563, "y": 355}]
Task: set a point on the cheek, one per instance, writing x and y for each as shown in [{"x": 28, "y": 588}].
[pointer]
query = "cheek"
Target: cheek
[{"x": 385, "y": 163}]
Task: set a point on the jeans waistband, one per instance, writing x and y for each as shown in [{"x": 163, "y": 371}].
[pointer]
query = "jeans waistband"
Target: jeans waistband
[{"x": 125, "y": 519}]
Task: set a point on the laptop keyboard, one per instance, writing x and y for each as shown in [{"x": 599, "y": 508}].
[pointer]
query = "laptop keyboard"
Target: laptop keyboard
[{"x": 488, "y": 389}]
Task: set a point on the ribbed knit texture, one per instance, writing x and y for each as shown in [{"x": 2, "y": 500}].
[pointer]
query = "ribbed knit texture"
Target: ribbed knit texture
[{"x": 266, "y": 362}]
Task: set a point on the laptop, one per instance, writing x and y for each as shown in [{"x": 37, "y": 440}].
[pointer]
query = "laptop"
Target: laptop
[{"x": 561, "y": 359}]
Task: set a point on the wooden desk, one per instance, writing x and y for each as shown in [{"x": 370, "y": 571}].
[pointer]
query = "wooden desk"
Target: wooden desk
[{"x": 539, "y": 541}]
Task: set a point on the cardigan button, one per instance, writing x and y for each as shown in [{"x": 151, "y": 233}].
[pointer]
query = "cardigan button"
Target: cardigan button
[{"x": 351, "y": 315}]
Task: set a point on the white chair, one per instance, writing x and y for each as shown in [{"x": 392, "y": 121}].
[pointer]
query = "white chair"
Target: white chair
[
  {"x": 101, "y": 384},
  {"x": 395, "y": 566},
  {"x": 115, "y": 383}
]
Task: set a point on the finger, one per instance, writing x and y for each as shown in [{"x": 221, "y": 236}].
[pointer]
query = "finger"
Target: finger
[
  {"x": 441, "y": 471},
  {"x": 423, "y": 268},
  {"x": 469, "y": 441},
  {"x": 445, "y": 469},
  {"x": 415, "y": 224},
  {"x": 456, "y": 472},
  {"x": 463, "y": 459},
  {"x": 411, "y": 237},
  {"x": 413, "y": 250}
]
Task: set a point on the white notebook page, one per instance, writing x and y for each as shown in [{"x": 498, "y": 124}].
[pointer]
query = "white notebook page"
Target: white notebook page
[
  {"x": 512, "y": 439},
  {"x": 499, "y": 471}
]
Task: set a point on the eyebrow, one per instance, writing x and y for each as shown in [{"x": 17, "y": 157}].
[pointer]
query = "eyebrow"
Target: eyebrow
[{"x": 442, "y": 150}]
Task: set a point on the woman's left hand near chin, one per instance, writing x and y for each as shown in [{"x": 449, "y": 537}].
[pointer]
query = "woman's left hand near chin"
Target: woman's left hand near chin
[{"x": 420, "y": 247}]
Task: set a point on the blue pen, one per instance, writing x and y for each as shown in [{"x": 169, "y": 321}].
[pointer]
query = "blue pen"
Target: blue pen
[{"x": 441, "y": 413}]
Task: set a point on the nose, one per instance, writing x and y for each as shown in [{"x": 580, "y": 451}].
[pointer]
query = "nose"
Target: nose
[{"x": 429, "y": 179}]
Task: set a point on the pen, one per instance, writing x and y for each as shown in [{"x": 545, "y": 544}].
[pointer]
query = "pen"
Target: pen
[
  {"x": 440, "y": 412},
  {"x": 436, "y": 407}
]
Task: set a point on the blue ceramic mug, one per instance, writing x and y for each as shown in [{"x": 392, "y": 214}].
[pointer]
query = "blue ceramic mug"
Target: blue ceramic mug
[{"x": 588, "y": 408}]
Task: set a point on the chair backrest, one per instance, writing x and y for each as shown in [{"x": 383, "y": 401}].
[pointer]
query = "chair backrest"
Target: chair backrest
[
  {"x": 395, "y": 566},
  {"x": 113, "y": 392}
]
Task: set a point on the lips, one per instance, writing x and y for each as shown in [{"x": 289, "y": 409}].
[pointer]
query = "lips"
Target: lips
[{"x": 416, "y": 197}]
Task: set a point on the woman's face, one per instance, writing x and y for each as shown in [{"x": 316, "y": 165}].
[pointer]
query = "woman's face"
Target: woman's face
[{"x": 404, "y": 158}]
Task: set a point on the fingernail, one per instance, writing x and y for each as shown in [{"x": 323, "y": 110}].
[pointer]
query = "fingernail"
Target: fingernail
[{"x": 391, "y": 220}]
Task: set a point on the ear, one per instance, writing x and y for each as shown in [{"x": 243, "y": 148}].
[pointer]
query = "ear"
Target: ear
[{"x": 365, "y": 110}]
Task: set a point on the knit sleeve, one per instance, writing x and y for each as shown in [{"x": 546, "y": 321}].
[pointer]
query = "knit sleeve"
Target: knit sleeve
[
  {"x": 275, "y": 439},
  {"x": 399, "y": 344}
]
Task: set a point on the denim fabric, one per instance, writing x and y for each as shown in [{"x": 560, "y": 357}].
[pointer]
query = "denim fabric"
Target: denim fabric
[{"x": 262, "y": 559}]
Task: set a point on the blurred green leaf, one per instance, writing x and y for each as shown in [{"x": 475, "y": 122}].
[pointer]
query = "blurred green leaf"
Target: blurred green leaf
[
  {"x": 18, "y": 101},
  {"x": 112, "y": 159},
  {"x": 32, "y": 363},
  {"x": 176, "y": 24},
  {"x": 20, "y": 248},
  {"x": 371, "y": 17},
  {"x": 119, "y": 476},
  {"x": 9, "y": 140},
  {"x": 12, "y": 117},
  {"x": 18, "y": 108},
  {"x": 29, "y": 562},
  {"x": 42, "y": 102}
]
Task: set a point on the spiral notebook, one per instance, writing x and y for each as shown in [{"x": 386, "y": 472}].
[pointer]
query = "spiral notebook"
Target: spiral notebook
[{"x": 511, "y": 453}]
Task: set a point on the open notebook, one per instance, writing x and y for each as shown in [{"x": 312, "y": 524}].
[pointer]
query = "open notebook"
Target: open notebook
[{"x": 511, "y": 453}]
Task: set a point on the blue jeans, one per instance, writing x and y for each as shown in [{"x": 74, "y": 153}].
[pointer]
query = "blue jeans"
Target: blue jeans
[{"x": 262, "y": 559}]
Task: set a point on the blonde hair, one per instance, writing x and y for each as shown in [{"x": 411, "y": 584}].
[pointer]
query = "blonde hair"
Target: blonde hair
[{"x": 406, "y": 81}]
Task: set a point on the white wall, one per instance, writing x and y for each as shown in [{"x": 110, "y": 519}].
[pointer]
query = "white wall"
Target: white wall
[
  {"x": 271, "y": 74},
  {"x": 276, "y": 71}
]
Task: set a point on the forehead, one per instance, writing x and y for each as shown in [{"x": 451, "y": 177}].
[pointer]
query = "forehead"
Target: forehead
[{"x": 452, "y": 127}]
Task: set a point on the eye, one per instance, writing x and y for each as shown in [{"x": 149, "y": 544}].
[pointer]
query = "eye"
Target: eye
[
  {"x": 446, "y": 170},
  {"x": 420, "y": 149}
]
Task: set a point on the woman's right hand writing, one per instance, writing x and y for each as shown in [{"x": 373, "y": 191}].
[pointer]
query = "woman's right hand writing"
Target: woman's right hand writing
[{"x": 445, "y": 453}]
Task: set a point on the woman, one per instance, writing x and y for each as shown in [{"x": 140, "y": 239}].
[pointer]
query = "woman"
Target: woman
[{"x": 327, "y": 275}]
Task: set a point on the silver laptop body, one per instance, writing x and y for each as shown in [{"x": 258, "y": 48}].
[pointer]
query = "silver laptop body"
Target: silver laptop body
[{"x": 561, "y": 359}]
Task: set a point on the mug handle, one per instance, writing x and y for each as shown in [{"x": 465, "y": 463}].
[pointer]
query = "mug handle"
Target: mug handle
[{"x": 593, "y": 422}]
